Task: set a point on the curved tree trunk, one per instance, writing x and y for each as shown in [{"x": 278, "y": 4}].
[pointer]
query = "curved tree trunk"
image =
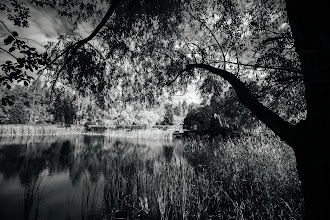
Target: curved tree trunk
[
  {"x": 309, "y": 24},
  {"x": 310, "y": 138}
]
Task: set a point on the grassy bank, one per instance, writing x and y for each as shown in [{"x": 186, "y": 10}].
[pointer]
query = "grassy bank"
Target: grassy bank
[{"x": 248, "y": 178}]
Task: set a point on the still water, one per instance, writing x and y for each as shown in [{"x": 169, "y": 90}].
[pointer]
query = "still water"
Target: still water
[{"x": 71, "y": 177}]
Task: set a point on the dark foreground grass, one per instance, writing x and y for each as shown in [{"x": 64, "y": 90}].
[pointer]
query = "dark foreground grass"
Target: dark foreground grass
[{"x": 246, "y": 178}]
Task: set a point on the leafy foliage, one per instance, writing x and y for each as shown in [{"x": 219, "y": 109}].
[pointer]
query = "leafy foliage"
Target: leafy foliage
[
  {"x": 169, "y": 115},
  {"x": 27, "y": 105},
  {"x": 64, "y": 109},
  {"x": 145, "y": 44}
]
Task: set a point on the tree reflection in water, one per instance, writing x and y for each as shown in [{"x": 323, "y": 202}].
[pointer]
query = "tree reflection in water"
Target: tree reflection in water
[{"x": 111, "y": 177}]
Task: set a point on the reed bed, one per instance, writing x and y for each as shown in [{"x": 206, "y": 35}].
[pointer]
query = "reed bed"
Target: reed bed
[
  {"x": 53, "y": 130},
  {"x": 37, "y": 130},
  {"x": 251, "y": 177},
  {"x": 149, "y": 133},
  {"x": 246, "y": 178}
]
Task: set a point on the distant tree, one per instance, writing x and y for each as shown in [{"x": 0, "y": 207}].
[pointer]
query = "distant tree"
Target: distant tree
[
  {"x": 22, "y": 107},
  {"x": 169, "y": 115},
  {"x": 184, "y": 107},
  {"x": 177, "y": 109},
  {"x": 40, "y": 108},
  {"x": 64, "y": 109},
  {"x": 191, "y": 106},
  {"x": 18, "y": 114},
  {"x": 231, "y": 112},
  {"x": 199, "y": 116},
  {"x": 3, "y": 116}
]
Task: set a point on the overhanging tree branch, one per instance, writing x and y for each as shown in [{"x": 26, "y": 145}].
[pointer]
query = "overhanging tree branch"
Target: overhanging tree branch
[
  {"x": 214, "y": 37},
  {"x": 267, "y": 67},
  {"x": 286, "y": 131},
  {"x": 8, "y": 53},
  {"x": 74, "y": 47}
]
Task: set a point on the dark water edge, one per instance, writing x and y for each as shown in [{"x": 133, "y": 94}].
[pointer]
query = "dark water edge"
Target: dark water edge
[{"x": 63, "y": 177}]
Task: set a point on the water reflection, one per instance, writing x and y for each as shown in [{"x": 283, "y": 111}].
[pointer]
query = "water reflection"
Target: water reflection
[{"x": 71, "y": 177}]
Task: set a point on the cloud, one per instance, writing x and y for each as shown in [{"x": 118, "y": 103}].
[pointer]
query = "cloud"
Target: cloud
[
  {"x": 44, "y": 25},
  {"x": 84, "y": 29}
]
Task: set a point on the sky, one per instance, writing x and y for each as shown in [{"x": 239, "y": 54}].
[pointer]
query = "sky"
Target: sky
[
  {"x": 190, "y": 96},
  {"x": 45, "y": 26}
]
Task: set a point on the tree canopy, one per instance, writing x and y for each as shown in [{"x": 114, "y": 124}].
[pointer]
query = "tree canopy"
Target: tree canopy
[{"x": 139, "y": 50}]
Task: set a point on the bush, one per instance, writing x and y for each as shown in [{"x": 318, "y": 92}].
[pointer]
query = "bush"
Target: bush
[{"x": 18, "y": 114}]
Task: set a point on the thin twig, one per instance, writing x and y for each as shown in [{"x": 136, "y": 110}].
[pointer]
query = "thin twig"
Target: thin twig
[{"x": 8, "y": 53}]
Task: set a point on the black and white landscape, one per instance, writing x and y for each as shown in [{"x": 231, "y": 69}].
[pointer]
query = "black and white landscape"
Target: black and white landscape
[{"x": 167, "y": 109}]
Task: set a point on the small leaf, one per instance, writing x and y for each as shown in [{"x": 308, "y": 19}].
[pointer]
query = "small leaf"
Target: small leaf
[
  {"x": 21, "y": 60},
  {"x": 14, "y": 33},
  {"x": 11, "y": 49},
  {"x": 8, "y": 40}
]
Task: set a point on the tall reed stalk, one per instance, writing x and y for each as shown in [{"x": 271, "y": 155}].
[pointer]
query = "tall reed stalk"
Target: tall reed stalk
[{"x": 30, "y": 197}]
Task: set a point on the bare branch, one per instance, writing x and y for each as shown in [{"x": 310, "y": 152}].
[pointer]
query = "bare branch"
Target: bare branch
[
  {"x": 214, "y": 37},
  {"x": 177, "y": 76},
  {"x": 97, "y": 51},
  {"x": 3, "y": 23},
  {"x": 8, "y": 53},
  {"x": 267, "y": 67}
]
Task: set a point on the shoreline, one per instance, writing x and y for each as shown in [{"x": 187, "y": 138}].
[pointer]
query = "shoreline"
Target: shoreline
[{"x": 10, "y": 130}]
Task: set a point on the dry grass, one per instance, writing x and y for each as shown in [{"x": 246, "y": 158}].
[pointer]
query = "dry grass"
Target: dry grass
[
  {"x": 149, "y": 133},
  {"x": 52, "y": 130},
  {"x": 37, "y": 130}
]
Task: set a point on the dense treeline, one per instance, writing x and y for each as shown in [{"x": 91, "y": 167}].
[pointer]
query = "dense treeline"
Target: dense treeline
[{"x": 38, "y": 104}]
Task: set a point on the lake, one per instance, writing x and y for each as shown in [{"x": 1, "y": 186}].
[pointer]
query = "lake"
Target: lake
[{"x": 84, "y": 177}]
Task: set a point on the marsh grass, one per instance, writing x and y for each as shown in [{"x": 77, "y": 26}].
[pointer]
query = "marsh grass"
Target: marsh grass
[
  {"x": 29, "y": 131},
  {"x": 37, "y": 130},
  {"x": 248, "y": 178},
  {"x": 91, "y": 204},
  {"x": 149, "y": 133},
  {"x": 30, "y": 197},
  {"x": 252, "y": 177},
  {"x": 87, "y": 196}
]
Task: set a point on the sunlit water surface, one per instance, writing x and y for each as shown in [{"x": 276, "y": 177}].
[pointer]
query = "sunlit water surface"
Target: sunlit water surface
[{"x": 64, "y": 177}]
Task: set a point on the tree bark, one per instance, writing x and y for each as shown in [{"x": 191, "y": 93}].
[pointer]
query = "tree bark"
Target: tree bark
[{"x": 311, "y": 34}]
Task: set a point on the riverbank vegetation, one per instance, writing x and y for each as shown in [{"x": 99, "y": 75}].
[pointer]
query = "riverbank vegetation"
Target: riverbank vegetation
[
  {"x": 252, "y": 177},
  {"x": 247, "y": 178},
  {"x": 39, "y": 105},
  {"x": 9, "y": 133}
]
